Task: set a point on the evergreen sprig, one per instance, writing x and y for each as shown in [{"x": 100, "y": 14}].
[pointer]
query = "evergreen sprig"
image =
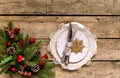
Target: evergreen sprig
[{"x": 28, "y": 51}]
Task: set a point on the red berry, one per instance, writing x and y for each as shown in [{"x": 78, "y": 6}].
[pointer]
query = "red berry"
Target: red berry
[
  {"x": 16, "y": 30},
  {"x": 29, "y": 74},
  {"x": 21, "y": 72},
  {"x": 20, "y": 58},
  {"x": 13, "y": 69},
  {"x": 45, "y": 56},
  {"x": 8, "y": 43},
  {"x": 21, "y": 43},
  {"x": 25, "y": 73},
  {"x": 25, "y": 66},
  {"x": 31, "y": 40},
  {"x": 42, "y": 65}
]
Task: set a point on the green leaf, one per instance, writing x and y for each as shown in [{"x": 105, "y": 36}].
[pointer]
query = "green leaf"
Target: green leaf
[
  {"x": 2, "y": 41},
  {"x": 31, "y": 64},
  {"x": 10, "y": 25}
]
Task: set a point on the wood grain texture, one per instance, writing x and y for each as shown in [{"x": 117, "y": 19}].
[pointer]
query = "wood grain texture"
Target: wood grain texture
[
  {"x": 24, "y": 6},
  {"x": 102, "y": 27},
  {"x": 108, "y": 49},
  {"x": 42, "y": 26},
  {"x": 94, "y": 70},
  {"x": 81, "y": 7},
  {"x": 107, "y": 29}
]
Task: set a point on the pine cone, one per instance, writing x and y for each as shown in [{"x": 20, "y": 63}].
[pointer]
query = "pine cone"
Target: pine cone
[
  {"x": 35, "y": 69},
  {"x": 38, "y": 53},
  {"x": 11, "y": 50}
]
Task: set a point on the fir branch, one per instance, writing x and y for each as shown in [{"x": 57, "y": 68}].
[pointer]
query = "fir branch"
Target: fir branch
[
  {"x": 1, "y": 37},
  {"x": 13, "y": 63},
  {"x": 31, "y": 64},
  {"x": 4, "y": 68},
  {"x": 2, "y": 48},
  {"x": 42, "y": 74},
  {"x": 50, "y": 73},
  {"x": 30, "y": 50},
  {"x": 49, "y": 65},
  {"x": 1, "y": 57},
  {"x": 18, "y": 37},
  {"x": 26, "y": 43},
  {"x": 18, "y": 48},
  {"x": 10, "y": 25},
  {"x": 5, "y": 36},
  {"x": 21, "y": 67}
]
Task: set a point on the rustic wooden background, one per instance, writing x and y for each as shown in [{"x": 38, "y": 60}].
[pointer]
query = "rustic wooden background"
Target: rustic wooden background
[{"x": 102, "y": 17}]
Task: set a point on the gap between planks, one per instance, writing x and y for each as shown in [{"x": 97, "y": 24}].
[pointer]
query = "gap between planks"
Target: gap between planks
[{"x": 102, "y": 27}]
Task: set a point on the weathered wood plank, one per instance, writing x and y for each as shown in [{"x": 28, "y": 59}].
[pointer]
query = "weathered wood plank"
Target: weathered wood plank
[
  {"x": 83, "y": 7},
  {"x": 108, "y": 49},
  {"x": 94, "y": 70},
  {"x": 42, "y": 26},
  {"x": 23, "y": 6},
  {"x": 102, "y": 27}
]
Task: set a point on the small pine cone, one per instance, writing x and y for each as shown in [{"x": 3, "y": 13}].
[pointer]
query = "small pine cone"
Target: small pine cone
[
  {"x": 11, "y": 50},
  {"x": 38, "y": 53},
  {"x": 35, "y": 69}
]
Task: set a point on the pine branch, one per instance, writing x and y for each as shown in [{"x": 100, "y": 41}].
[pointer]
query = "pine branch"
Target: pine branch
[
  {"x": 50, "y": 65},
  {"x": 31, "y": 64},
  {"x": 50, "y": 73},
  {"x": 13, "y": 63},
  {"x": 18, "y": 37},
  {"x": 18, "y": 48},
  {"x": 26, "y": 43},
  {"x": 41, "y": 74},
  {"x": 10, "y": 25},
  {"x": 30, "y": 50},
  {"x": 1, "y": 57},
  {"x": 2, "y": 48},
  {"x": 4, "y": 68}
]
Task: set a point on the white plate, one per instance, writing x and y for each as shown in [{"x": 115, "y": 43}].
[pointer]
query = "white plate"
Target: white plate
[
  {"x": 58, "y": 42},
  {"x": 62, "y": 40}
]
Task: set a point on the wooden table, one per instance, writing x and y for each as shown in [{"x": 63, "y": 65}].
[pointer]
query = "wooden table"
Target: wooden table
[{"x": 102, "y": 17}]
